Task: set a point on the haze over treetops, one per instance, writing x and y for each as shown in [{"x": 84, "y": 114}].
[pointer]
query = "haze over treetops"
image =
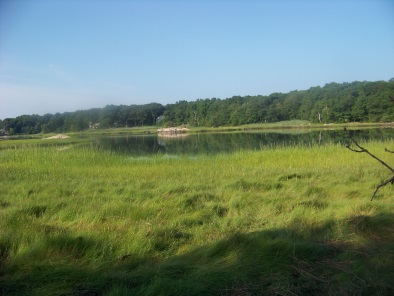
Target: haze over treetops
[
  {"x": 333, "y": 103},
  {"x": 58, "y": 56}
]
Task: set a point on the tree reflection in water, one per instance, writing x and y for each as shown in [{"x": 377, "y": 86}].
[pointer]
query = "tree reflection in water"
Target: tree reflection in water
[{"x": 213, "y": 143}]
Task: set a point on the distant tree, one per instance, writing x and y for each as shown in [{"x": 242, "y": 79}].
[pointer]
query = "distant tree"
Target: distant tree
[
  {"x": 359, "y": 109},
  {"x": 8, "y": 124},
  {"x": 334, "y": 102},
  {"x": 109, "y": 116},
  {"x": 55, "y": 123},
  {"x": 154, "y": 110}
]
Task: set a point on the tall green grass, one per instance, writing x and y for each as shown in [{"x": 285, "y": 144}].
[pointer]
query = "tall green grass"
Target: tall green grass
[{"x": 287, "y": 221}]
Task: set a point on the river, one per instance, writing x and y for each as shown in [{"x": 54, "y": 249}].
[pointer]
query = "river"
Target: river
[{"x": 213, "y": 143}]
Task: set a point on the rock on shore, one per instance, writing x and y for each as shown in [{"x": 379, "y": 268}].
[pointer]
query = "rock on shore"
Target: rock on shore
[{"x": 172, "y": 130}]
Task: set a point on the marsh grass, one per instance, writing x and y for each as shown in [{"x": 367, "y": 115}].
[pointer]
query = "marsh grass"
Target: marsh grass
[{"x": 281, "y": 221}]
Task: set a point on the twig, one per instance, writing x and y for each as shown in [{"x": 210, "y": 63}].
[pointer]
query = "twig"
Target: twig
[
  {"x": 361, "y": 150},
  {"x": 389, "y": 151},
  {"x": 391, "y": 180}
]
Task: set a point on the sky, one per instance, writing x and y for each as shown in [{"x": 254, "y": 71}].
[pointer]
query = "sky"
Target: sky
[{"x": 68, "y": 55}]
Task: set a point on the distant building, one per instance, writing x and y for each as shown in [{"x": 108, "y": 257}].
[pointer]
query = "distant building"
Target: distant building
[
  {"x": 160, "y": 118},
  {"x": 94, "y": 125},
  {"x": 3, "y": 132}
]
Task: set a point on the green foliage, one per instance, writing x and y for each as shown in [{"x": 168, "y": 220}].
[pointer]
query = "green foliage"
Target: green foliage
[
  {"x": 107, "y": 117},
  {"x": 333, "y": 103}
]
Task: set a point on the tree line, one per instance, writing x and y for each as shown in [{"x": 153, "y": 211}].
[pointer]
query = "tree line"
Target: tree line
[
  {"x": 333, "y": 103},
  {"x": 109, "y": 116}
]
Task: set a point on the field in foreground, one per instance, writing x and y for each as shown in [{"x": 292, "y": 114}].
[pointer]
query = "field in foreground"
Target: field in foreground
[{"x": 291, "y": 221}]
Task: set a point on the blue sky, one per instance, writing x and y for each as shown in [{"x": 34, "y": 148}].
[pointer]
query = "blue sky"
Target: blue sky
[{"x": 66, "y": 55}]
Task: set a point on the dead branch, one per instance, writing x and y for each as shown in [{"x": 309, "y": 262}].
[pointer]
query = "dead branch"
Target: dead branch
[
  {"x": 363, "y": 150},
  {"x": 389, "y": 151}
]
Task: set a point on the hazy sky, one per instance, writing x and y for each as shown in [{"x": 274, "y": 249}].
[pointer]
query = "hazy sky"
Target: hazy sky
[{"x": 66, "y": 55}]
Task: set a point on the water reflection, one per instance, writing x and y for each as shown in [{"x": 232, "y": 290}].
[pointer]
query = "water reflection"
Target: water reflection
[{"x": 212, "y": 143}]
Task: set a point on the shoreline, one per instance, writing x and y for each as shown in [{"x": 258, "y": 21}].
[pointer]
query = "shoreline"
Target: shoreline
[{"x": 184, "y": 129}]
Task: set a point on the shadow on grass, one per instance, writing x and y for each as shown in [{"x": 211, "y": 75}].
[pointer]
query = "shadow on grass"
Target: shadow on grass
[{"x": 290, "y": 261}]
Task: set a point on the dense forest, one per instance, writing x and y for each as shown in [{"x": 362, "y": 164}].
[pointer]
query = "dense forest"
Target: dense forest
[{"x": 345, "y": 102}]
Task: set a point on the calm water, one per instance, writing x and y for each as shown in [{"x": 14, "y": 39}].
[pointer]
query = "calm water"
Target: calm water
[{"x": 211, "y": 143}]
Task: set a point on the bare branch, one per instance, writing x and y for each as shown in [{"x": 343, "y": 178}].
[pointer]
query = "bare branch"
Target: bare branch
[
  {"x": 354, "y": 150},
  {"x": 390, "y": 151},
  {"x": 391, "y": 180},
  {"x": 361, "y": 150}
]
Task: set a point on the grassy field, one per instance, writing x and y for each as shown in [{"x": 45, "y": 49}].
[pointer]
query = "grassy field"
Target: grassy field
[{"x": 290, "y": 221}]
